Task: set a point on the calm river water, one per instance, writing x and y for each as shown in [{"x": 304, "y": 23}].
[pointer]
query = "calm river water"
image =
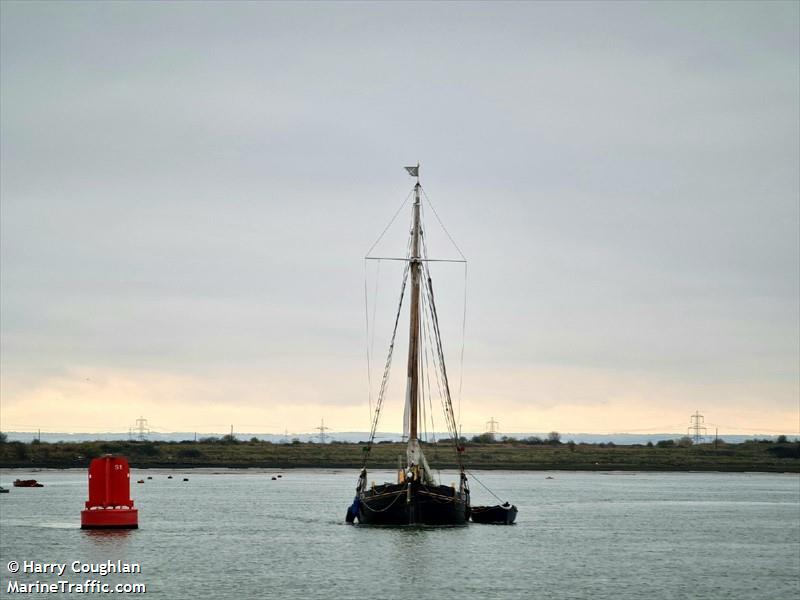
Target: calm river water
[{"x": 238, "y": 535}]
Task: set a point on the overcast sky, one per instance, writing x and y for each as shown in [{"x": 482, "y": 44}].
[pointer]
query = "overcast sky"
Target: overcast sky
[{"x": 188, "y": 191}]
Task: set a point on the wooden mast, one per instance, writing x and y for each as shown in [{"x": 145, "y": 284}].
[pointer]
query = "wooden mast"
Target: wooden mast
[{"x": 413, "y": 336}]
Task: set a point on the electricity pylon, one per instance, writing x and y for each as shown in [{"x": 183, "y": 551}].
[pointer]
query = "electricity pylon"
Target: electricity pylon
[{"x": 697, "y": 430}]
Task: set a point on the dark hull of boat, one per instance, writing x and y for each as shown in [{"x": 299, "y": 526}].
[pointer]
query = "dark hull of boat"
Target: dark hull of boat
[
  {"x": 494, "y": 515},
  {"x": 419, "y": 504}
]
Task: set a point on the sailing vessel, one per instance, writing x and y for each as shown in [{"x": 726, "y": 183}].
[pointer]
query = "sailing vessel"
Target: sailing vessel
[{"x": 416, "y": 498}]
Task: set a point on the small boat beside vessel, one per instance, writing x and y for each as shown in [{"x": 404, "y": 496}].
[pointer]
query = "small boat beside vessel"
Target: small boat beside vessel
[
  {"x": 499, "y": 514},
  {"x": 27, "y": 483},
  {"x": 3, "y": 490}
]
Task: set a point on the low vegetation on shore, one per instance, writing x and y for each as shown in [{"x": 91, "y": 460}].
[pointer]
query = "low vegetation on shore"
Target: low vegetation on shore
[{"x": 479, "y": 453}]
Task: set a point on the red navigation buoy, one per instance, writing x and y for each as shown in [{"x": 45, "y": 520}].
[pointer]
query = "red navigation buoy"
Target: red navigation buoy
[{"x": 109, "y": 505}]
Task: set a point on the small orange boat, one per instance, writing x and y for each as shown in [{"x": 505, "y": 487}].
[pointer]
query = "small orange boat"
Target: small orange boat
[{"x": 27, "y": 483}]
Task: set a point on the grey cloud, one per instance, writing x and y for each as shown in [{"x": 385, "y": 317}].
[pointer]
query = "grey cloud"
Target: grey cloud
[{"x": 623, "y": 178}]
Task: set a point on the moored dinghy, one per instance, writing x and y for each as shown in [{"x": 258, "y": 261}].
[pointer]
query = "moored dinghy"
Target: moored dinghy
[{"x": 499, "y": 514}]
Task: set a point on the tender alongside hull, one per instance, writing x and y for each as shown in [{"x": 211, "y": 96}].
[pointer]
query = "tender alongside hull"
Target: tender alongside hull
[
  {"x": 494, "y": 515},
  {"x": 412, "y": 504}
]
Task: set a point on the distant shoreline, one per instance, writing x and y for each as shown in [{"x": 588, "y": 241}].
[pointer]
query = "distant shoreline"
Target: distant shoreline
[
  {"x": 754, "y": 456},
  {"x": 358, "y": 437},
  {"x": 268, "y": 469}
]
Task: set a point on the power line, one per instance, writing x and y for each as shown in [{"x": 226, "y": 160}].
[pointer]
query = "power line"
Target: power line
[
  {"x": 142, "y": 429},
  {"x": 492, "y": 427},
  {"x": 322, "y": 429},
  {"x": 697, "y": 427}
]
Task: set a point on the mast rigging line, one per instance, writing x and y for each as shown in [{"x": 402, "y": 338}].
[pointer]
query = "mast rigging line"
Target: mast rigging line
[
  {"x": 427, "y": 379},
  {"x": 452, "y": 241},
  {"x": 428, "y": 326},
  {"x": 380, "y": 237},
  {"x": 431, "y": 313},
  {"x": 429, "y": 349},
  {"x": 371, "y": 347},
  {"x": 463, "y": 338},
  {"x": 387, "y": 366},
  {"x": 428, "y": 285},
  {"x": 371, "y": 342},
  {"x": 426, "y": 267},
  {"x": 440, "y": 350},
  {"x": 472, "y": 475},
  {"x": 422, "y": 260},
  {"x": 366, "y": 319}
]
